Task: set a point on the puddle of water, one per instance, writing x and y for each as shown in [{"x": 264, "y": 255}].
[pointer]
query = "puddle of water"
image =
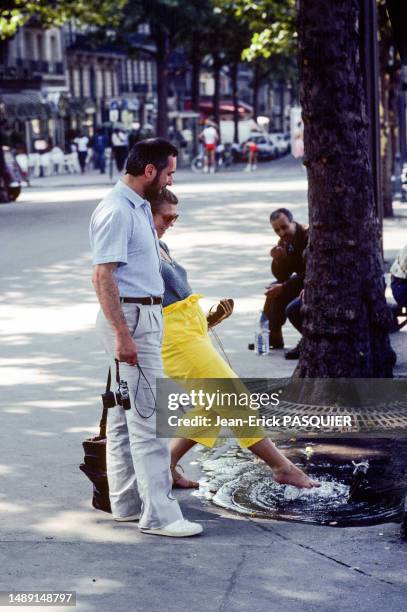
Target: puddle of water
[{"x": 236, "y": 482}]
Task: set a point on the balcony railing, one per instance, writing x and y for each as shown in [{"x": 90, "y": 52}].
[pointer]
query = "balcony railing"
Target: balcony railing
[
  {"x": 41, "y": 66},
  {"x": 140, "y": 87}
]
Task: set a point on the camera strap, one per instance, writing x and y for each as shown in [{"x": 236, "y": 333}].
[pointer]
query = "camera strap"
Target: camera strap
[
  {"x": 117, "y": 371},
  {"x": 103, "y": 420}
]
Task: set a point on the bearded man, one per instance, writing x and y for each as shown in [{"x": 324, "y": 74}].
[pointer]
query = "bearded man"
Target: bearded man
[{"x": 128, "y": 283}]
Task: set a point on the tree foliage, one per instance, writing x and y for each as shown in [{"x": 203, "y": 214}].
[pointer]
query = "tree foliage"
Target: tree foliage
[
  {"x": 272, "y": 24},
  {"x": 15, "y": 13}
]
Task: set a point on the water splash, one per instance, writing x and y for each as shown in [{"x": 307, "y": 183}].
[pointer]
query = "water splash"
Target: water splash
[{"x": 236, "y": 482}]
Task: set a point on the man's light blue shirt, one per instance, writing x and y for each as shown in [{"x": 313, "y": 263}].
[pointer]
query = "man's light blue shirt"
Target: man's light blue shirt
[{"x": 122, "y": 231}]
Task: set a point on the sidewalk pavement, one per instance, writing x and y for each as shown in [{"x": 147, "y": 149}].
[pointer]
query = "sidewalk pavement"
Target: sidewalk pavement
[
  {"x": 93, "y": 177},
  {"x": 52, "y": 375}
]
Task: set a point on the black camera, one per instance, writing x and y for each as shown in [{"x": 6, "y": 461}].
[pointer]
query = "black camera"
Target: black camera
[
  {"x": 120, "y": 398},
  {"x": 123, "y": 396}
]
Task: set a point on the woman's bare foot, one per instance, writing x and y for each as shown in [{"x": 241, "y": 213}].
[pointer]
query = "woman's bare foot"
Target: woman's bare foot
[
  {"x": 292, "y": 475},
  {"x": 180, "y": 482},
  {"x": 284, "y": 471}
]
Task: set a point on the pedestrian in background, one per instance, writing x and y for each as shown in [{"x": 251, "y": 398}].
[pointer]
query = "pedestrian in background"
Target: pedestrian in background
[
  {"x": 82, "y": 144},
  {"x": 119, "y": 146},
  {"x": 99, "y": 148},
  {"x": 210, "y": 138}
]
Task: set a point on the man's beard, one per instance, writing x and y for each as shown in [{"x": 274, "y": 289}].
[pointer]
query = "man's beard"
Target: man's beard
[{"x": 152, "y": 191}]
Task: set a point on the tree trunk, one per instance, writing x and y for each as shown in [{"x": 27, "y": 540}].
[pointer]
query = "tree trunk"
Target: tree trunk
[
  {"x": 162, "y": 54},
  {"x": 196, "y": 62},
  {"x": 386, "y": 144},
  {"x": 346, "y": 319},
  {"x": 235, "y": 100},
  {"x": 4, "y": 177},
  {"x": 282, "y": 105},
  {"x": 386, "y": 147},
  {"x": 217, "y": 65},
  {"x": 256, "y": 86}
]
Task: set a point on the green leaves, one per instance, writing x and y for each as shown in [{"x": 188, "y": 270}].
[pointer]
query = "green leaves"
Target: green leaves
[
  {"x": 15, "y": 13},
  {"x": 271, "y": 22}
]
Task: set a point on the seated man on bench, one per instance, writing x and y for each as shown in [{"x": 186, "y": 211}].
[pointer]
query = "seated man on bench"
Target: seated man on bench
[{"x": 288, "y": 267}]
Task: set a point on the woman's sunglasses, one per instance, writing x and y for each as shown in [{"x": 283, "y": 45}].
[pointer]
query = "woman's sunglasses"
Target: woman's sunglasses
[{"x": 169, "y": 218}]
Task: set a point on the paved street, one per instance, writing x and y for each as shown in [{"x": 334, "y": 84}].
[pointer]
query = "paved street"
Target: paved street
[{"x": 53, "y": 370}]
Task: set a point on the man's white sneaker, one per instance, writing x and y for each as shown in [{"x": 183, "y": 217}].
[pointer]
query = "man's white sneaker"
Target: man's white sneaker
[
  {"x": 127, "y": 519},
  {"x": 178, "y": 529}
]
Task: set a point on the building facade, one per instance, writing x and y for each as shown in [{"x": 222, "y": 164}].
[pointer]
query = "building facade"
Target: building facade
[
  {"x": 54, "y": 84},
  {"x": 33, "y": 84}
]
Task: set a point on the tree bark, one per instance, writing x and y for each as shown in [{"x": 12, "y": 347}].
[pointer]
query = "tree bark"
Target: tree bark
[
  {"x": 217, "y": 65},
  {"x": 385, "y": 83},
  {"x": 235, "y": 100},
  {"x": 256, "y": 86},
  {"x": 196, "y": 63},
  {"x": 162, "y": 54},
  {"x": 4, "y": 176},
  {"x": 386, "y": 147},
  {"x": 346, "y": 318},
  {"x": 282, "y": 106}
]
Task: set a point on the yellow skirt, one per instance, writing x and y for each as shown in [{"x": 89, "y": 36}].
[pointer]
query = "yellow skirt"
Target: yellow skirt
[{"x": 188, "y": 354}]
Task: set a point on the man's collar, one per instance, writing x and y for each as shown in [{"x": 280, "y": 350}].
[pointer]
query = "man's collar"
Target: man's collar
[{"x": 130, "y": 194}]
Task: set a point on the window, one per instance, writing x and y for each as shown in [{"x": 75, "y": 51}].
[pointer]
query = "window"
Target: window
[
  {"x": 40, "y": 47},
  {"x": 129, "y": 79},
  {"x": 54, "y": 49},
  {"x": 85, "y": 82},
  {"x": 99, "y": 83},
  {"x": 28, "y": 44},
  {"x": 142, "y": 71},
  {"x": 76, "y": 83},
  {"x": 108, "y": 83}
]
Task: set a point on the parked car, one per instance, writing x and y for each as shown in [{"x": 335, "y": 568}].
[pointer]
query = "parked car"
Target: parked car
[
  {"x": 281, "y": 142},
  {"x": 267, "y": 148}
]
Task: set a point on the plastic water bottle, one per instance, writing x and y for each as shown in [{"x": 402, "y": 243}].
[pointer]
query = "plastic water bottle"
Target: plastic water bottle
[{"x": 262, "y": 335}]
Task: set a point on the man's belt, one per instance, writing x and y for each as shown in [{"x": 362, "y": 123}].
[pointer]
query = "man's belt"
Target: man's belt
[{"x": 147, "y": 301}]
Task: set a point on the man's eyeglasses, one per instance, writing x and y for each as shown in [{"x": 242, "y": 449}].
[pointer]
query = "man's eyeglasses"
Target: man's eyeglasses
[{"x": 169, "y": 218}]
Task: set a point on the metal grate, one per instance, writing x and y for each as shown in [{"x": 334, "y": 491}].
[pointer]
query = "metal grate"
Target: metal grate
[{"x": 383, "y": 417}]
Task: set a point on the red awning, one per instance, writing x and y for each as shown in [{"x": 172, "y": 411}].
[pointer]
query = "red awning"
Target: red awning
[{"x": 225, "y": 107}]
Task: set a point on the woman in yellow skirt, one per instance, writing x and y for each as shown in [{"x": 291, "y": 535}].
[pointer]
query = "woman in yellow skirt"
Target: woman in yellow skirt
[{"x": 189, "y": 354}]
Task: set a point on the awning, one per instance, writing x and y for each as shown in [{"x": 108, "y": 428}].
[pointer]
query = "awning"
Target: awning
[
  {"x": 225, "y": 107},
  {"x": 25, "y": 106}
]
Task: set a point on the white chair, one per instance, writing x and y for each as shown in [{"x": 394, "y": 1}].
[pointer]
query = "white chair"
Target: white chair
[
  {"x": 45, "y": 163},
  {"x": 72, "y": 163},
  {"x": 34, "y": 164},
  {"x": 57, "y": 160},
  {"x": 22, "y": 160}
]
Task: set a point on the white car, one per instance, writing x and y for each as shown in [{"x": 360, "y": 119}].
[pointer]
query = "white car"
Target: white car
[
  {"x": 267, "y": 149},
  {"x": 280, "y": 141}
]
